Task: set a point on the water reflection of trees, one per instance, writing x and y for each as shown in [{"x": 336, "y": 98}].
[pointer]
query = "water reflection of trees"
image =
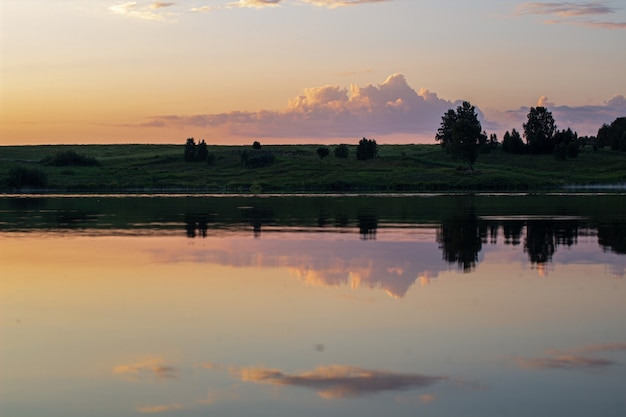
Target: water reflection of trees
[
  {"x": 461, "y": 237},
  {"x": 543, "y": 237},
  {"x": 461, "y": 233},
  {"x": 197, "y": 224},
  {"x": 368, "y": 224},
  {"x": 612, "y": 236}
]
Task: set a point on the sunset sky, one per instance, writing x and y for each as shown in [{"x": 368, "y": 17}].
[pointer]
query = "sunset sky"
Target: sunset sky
[{"x": 301, "y": 71}]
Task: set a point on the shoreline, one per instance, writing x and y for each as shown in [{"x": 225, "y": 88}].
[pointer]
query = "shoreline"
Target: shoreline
[{"x": 297, "y": 169}]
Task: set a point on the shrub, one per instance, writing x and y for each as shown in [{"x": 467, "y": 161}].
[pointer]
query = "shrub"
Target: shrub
[
  {"x": 20, "y": 177},
  {"x": 341, "y": 151},
  {"x": 366, "y": 149},
  {"x": 256, "y": 145},
  {"x": 323, "y": 152},
  {"x": 69, "y": 158}
]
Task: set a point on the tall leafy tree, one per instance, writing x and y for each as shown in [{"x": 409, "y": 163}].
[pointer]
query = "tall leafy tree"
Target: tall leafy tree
[
  {"x": 190, "y": 150},
  {"x": 461, "y": 134},
  {"x": 202, "y": 151},
  {"x": 539, "y": 130}
]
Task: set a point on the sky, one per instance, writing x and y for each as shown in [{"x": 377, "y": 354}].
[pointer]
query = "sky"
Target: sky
[{"x": 301, "y": 71}]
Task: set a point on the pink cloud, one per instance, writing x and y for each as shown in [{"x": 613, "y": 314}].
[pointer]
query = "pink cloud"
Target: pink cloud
[
  {"x": 341, "y": 3},
  {"x": 330, "y": 111},
  {"x": 257, "y": 4},
  {"x": 570, "y": 12},
  {"x": 156, "y": 409},
  {"x": 563, "y": 362},
  {"x": 565, "y": 9},
  {"x": 340, "y": 381},
  {"x": 391, "y": 112}
]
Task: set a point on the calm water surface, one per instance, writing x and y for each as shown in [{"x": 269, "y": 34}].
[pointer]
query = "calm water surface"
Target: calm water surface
[{"x": 486, "y": 305}]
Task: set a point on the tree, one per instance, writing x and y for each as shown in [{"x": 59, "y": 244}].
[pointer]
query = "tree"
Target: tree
[
  {"x": 461, "y": 134},
  {"x": 256, "y": 145},
  {"x": 613, "y": 135},
  {"x": 539, "y": 130},
  {"x": 512, "y": 142},
  {"x": 190, "y": 150},
  {"x": 341, "y": 151},
  {"x": 366, "y": 149},
  {"x": 566, "y": 144},
  {"x": 323, "y": 152},
  {"x": 202, "y": 152}
]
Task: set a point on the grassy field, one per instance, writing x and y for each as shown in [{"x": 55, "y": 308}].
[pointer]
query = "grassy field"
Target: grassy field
[{"x": 298, "y": 168}]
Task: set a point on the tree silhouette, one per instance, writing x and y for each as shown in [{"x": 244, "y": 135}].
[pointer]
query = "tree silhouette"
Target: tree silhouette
[
  {"x": 539, "y": 130},
  {"x": 190, "y": 150},
  {"x": 202, "y": 151},
  {"x": 461, "y": 134},
  {"x": 513, "y": 143},
  {"x": 613, "y": 135},
  {"x": 366, "y": 149}
]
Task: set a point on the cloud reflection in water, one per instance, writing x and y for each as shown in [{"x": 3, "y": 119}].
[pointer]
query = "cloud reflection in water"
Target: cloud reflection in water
[
  {"x": 340, "y": 381},
  {"x": 573, "y": 358},
  {"x": 154, "y": 368}
]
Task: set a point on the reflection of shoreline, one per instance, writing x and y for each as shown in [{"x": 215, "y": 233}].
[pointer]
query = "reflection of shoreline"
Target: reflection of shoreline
[
  {"x": 342, "y": 261},
  {"x": 463, "y": 225}
]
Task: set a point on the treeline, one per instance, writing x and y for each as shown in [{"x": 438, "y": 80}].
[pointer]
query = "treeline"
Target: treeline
[
  {"x": 543, "y": 137},
  {"x": 462, "y": 136}
]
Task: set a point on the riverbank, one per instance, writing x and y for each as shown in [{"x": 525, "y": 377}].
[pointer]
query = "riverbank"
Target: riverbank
[{"x": 298, "y": 168}]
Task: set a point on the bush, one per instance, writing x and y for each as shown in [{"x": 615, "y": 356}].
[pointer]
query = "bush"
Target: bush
[
  {"x": 366, "y": 149},
  {"x": 69, "y": 158},
  {"x": 323, "y": 152},
  {"x": 256, "y": 145},
  {"x": 20, "y": 177},
  {"x": 341, "y": 151}
]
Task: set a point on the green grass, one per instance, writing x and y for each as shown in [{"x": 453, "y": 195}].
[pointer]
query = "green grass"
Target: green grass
[{"x": 298, "y": 168}]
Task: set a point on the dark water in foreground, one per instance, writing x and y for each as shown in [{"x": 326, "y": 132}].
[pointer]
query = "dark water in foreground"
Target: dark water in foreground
[{"x": 431, "y": 305}]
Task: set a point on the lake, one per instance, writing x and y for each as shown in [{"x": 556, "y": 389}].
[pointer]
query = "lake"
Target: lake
[{"x": 399, "y": 305}]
